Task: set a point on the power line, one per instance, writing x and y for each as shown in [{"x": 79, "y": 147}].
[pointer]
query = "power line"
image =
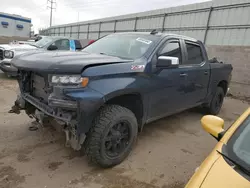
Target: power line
[{"x": 52, "y": 3}]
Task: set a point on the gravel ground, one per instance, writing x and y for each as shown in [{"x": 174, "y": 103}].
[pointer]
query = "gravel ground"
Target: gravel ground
[{"x": 166, "y": 155}]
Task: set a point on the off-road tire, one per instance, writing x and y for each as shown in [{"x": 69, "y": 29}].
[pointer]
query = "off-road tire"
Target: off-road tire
[
  {"x": 108, "y": 116},
  {"x": 214, "y": 107}
]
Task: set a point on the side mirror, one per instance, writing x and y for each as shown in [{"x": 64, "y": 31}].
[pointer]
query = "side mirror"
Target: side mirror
[
  {"x": 213, "y": 125},
  {"x": 167, "y": 61},
  {"x": 52, "y": 47}
]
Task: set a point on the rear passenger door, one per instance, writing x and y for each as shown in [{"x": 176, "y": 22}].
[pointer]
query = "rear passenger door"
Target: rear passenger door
[{"x": 197, "y": 72}]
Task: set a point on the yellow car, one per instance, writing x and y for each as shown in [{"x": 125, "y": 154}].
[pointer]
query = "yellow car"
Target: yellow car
[{"x": 228, "y": 166}]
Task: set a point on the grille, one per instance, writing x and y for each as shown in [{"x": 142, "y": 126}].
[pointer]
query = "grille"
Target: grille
[
  {"x": 39, "y": 88},
  {"x": 1, "y": 54}
]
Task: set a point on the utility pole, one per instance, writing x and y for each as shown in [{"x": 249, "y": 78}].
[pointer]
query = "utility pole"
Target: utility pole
[{"x": 52, "y": 2}]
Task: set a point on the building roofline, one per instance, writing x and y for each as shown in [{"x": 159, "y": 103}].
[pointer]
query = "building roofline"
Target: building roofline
[{"x": 15, "y": 17}]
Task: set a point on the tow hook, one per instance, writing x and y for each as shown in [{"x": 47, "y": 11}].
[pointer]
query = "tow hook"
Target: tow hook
[
  {"x": 15, "y": 109},
  {"x": 19, "y": 105}
]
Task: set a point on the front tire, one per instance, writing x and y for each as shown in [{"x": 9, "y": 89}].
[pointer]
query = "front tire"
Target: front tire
[
  {"x": 217, "y": 101},
  {"x": 112, "y": 136}
]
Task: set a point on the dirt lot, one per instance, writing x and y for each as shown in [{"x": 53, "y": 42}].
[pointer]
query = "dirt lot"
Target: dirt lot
[{"x": 167, "y": 152}]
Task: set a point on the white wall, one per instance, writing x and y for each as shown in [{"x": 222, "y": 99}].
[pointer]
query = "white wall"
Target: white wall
[{"x": 228, "y": 23}]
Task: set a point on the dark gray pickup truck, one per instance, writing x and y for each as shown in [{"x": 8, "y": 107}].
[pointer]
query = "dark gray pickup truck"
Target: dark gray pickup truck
[{"x": 105, "y": 94}]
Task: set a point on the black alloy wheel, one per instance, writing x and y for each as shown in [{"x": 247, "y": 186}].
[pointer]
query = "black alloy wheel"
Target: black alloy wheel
[
  {"x": 117, "y": 139},
  {"x": 112, "y": 136}
]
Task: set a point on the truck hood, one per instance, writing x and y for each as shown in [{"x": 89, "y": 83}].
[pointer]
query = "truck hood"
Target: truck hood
[
  {"x": 222, "y": 175},
  {"x": 18, "y": 47},
  {"x": 62, "y": 62}
]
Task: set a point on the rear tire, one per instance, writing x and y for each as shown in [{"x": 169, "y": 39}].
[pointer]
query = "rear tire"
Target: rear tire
[
  {"x": 112, "y": 136},
  {"x": 216, "y": 102}
]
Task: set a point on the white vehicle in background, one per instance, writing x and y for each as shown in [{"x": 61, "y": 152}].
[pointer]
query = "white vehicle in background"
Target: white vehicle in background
[
  {"x": 8, "y": 51},
  {"x": 23, "y": 42}
]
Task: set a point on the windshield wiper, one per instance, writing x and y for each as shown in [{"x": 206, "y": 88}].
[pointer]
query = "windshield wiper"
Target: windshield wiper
[
  {"x": 102, "y": 53},
  {"x": 245, "y": 170}
]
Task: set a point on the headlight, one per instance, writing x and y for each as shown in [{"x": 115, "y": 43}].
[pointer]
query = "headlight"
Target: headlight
[
  {"x": 8, "y": 54},
  {"x": 69, "y": 80}
]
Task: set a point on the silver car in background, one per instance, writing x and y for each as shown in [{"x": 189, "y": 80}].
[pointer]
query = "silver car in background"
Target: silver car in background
[{"x": 8, "y": 51}]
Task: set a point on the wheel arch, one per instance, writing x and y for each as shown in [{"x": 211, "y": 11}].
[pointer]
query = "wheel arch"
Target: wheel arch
[
  {"x": 130, "y": 100},
  {"x": 224, "y": 85}
]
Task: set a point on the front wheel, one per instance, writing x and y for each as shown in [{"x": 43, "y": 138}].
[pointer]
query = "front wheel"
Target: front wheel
[
  {"x": 112, "y": 136},
  {"x": 217, "y": 101}
]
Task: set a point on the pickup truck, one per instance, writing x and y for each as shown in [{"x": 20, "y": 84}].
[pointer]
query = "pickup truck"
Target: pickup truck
[
  {"x": 103, "y": 96},
  {"x": 8, "y": 51}
]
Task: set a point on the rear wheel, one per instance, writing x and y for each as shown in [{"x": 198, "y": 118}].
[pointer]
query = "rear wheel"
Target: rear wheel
[
  {"x": 112, "y": 136},
  {"x": 217, "y": 101}
]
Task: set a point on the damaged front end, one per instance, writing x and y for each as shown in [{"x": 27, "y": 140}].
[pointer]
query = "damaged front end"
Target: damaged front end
[{"x": 47, "y": 97}]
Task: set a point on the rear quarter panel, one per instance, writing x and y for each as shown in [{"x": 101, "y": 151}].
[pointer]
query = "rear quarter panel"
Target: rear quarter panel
[{"x": 218, "y": 72}]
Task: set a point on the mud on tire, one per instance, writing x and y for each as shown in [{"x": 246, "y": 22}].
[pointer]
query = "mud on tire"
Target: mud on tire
[{"x": 112, "y": 136}]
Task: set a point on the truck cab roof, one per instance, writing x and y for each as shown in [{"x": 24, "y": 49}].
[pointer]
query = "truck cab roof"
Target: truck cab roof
[{"x": 158, "y": 34}]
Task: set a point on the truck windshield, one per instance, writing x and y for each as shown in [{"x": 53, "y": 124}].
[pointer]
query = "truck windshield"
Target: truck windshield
[
  {"x": 123, "y": 46},
  {"x": 43, "y": 42},
  {"x": 239, "y": 144}
]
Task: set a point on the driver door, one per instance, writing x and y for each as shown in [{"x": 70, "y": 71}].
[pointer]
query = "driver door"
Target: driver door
[{"x": 168, "y": 94}]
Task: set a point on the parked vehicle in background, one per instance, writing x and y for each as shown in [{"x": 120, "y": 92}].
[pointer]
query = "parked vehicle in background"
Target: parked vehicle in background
[
  {"x": 27, "y": 42},
  {"x": 228, "y": 166},
  {"x": 105, "y": 94},
  {"x": 91, "y": 41},
  {"x": 22, "y": 42},
  {"x": 8, "y": 51},
  {"x": 38, "y": 37}
]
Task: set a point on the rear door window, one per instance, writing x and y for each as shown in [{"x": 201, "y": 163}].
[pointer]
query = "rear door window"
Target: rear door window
[{"x": 195, "y": 55}]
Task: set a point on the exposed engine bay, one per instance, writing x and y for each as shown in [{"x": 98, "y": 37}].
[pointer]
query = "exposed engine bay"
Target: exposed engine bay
[{"x": 46, "y": 103}]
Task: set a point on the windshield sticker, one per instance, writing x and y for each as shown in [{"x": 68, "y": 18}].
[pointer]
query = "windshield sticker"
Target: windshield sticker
[
  {"x": 144, "y": 40},
  {"x": 137, "y": 67},
  {"x": 72, "y": 45}
]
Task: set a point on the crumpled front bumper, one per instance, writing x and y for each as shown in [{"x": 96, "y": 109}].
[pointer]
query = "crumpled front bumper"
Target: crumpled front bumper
[
  {"x": 79, "y": 105},
  {"x": 54, "y": 103}
]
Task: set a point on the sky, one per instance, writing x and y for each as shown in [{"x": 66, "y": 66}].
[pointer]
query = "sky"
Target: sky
[{"x": 68, "y": 11}]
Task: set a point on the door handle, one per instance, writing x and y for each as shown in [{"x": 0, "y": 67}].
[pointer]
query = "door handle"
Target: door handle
[
  {"x": 183, "y": 74},
  {"x": 206, "y": 72}
]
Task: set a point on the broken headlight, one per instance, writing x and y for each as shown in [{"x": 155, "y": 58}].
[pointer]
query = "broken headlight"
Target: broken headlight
[{"x": 69, "y": 80}]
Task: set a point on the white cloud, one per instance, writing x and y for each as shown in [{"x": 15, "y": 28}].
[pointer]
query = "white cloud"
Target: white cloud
[{"x": 67, "y": 10}]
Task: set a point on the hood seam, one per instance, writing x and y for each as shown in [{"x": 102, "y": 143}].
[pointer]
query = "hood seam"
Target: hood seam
[{"x": 208, "y": 172}]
